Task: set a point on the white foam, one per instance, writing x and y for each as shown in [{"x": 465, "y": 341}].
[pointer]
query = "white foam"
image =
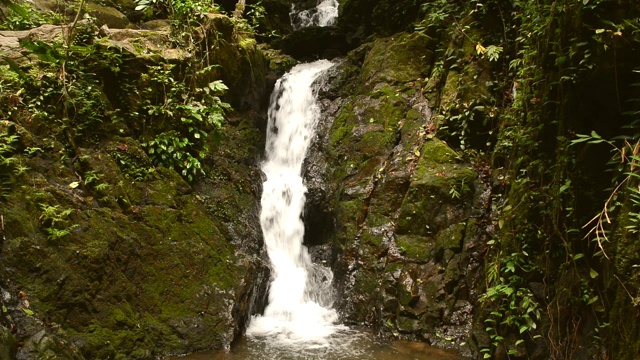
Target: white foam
[{"x": 299, "y": 308}]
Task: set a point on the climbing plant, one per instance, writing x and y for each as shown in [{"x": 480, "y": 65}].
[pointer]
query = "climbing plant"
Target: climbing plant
[{"x": 555, "y": 49}]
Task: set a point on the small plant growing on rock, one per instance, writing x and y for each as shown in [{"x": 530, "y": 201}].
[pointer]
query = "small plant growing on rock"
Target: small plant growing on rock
[{"x": 55, "y": 220}]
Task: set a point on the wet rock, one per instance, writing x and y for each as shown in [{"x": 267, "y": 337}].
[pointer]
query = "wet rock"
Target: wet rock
[
  {"x": 7, "y": 344},
  {"x": 314, "y": 42},
  {"x": 44, "y": 345},
  {"x": 108, "y": 16},
  {"x": 403, "y": 197}
]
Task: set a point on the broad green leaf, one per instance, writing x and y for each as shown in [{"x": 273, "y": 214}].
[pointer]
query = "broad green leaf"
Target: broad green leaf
[
  {"x": 218, "y": 86},
  {"x": 28, "y": 311}
]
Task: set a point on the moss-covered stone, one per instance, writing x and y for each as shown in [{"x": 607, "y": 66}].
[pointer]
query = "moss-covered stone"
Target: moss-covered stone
[
  {"x": 450, "y": 239},
  {"x": 400, "y": 59},
  {"x": 416, "y": 248},
  {"x": 434, "y": 197},
  {"x": 143, "y": 265},
  {"x": 7, "y": 344},
  {"x": 107, "y": 16}
]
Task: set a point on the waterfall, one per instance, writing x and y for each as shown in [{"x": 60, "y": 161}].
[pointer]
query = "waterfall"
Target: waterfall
[
  {"x": 299, "y": 308},
  {"x": 324, "y": 14}
]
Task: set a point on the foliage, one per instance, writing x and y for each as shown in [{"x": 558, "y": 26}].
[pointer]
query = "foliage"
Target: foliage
[
  {"x": 552, "y": 47},
  {"x": 200, "y": 111},
  {"x": 183, "y": 13},
  {"x": 7, "y": 161},
  {"x": 65, "y": 89},
  {"x": 24, "y": 17},
  {"x": 515, "y": 310},
  {"x": 55, "y": 220}
]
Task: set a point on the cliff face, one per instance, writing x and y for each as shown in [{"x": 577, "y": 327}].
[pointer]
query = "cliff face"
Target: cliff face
[
  {"x": 105, "y": 255},
  {"x": 458, "y": 182},
  {"x": 406, "y": 208}
]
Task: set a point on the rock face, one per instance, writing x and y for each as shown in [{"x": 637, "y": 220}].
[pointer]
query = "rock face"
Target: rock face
[
  {"x": 7, "y": 344},
  {"x": 106, "y": 257},
  {"x": 404, "y": 204}
]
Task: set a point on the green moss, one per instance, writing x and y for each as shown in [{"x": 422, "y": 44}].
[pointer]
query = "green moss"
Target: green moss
[
  {"x": 408, "y": 324},
  {"x": 439, "y": 183},
  {"x": 342, "y": 126},
  {"x": 416, "y": 248},
  {"x": 450, "y": 239},
  {"x": 396, "y": 60},
  {"x": 373, "y": 239},
  {"x": 7, "y": 344}
]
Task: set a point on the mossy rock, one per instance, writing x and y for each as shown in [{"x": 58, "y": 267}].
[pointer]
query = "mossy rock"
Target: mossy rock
[
  {"x": 109, "y": 16},
  {"x": 399, "y": 59},
  {"x": 366, "y": 127},
  {"x": 450, "y": 239},
  {"x": 7, "y": 344},
  {"x": 45, "y": 345},
  {"x": 116, "y": 269},
  {"x": 416, "y": 248},
  {"x": 435, "y": 197}
]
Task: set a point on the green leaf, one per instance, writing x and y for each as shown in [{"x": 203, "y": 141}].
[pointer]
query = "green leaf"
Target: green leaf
[
  {"x": 28, "y": 311},
  {"x": 523, "y": 328},
  {"x": 15, "y": 68},
  {"x": 594, "y": 274},
  {"x": 566, "y": 186},
  {"x": 218, "y": 86}
]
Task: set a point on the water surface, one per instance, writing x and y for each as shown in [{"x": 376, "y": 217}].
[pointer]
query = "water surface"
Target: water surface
[{"x": 346, "y": 345}]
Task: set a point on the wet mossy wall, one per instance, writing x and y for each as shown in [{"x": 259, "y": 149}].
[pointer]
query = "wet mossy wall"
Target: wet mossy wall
[
  {"x": 423, "y": 246},
  {"x": 105, "y": 256}
]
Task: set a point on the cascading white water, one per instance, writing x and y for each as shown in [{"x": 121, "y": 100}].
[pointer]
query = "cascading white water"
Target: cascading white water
[
  {"x": 299, "y": 308},
  {"x": 324, "y": 14}
]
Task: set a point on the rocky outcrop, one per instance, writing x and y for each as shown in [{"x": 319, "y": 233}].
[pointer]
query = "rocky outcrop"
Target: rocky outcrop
[
  {"x": 106, "y": 256},
  {"x": 7, "y": 344},
  {"x": 405, "y": 207}
]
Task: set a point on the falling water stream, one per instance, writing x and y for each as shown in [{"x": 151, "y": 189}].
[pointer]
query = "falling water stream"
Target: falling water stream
[
  {"x": 299, "y": 308},
  {"x": 324, "y": 13},
  {"x": 299, "y": 321}
]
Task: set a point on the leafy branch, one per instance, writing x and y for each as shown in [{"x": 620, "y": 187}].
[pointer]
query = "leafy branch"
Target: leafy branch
[{"x": 628, "y": 156}]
